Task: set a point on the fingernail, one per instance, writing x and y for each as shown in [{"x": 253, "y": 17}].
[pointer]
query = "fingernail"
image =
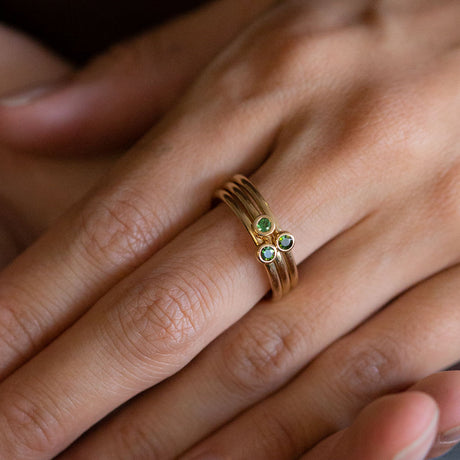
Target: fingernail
[
  {"x": 451, "y": 436},
  {"x": 28, "y": 95},
  {"x": 445, "y": 441},
  {"x": 421, "y": 446}
]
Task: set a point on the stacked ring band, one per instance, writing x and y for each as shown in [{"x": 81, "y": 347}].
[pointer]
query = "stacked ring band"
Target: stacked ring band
[{"x": 274, "y": 246}]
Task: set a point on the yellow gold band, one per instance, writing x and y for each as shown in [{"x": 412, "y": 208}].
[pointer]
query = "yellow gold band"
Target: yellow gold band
[{"x": 274, "y": 246}]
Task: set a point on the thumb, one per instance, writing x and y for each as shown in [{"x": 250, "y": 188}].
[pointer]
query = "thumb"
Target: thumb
[
  {"x": 119, "y": 95},
  {"x": 395, "y": 427}
]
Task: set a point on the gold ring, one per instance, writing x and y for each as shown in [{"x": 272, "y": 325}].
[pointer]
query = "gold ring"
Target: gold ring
[{"x": 274, "y": 246}]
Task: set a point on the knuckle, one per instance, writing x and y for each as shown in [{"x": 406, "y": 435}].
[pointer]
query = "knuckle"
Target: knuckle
[
  {"x": 243, "y": 78},
  {"x": 164, "y": 314},
  {"x": 31, "y": 428},
  {"x": 366, "y": 370},
  {"x": 118, "y": 226},
  {"x": 383, "y": 128},
  {"x": 222, "y": 86},
  {"x": 261, "y": 353}
]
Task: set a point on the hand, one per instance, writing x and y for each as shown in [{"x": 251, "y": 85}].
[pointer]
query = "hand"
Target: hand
[
  {"x": 363, "y": 168},
  {"x": 34, "y": 191},
  {"x": 119, "y": 95}
]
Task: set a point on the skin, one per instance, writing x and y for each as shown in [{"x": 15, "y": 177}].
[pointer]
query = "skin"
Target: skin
[
  {"x": 54, "y": 184},
  {"x": 373, "y": 127},
  {"x": 118, "y": 96}
]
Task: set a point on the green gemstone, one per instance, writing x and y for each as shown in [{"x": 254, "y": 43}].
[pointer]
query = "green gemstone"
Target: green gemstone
[
  {"x": 264, "y": 225},
  {"x": 268, "y": 253},
  {"x": 285, "y": 242}
]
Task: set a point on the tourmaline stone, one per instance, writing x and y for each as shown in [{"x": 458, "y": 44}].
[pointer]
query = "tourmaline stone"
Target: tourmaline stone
[
  {"x": 267, "y": 254},
  {"x": 285, "y": 242},
  {"x": 264, "y": 225}
]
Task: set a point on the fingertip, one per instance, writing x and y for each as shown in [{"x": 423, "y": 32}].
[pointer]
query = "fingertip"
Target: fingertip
[
  {"x": 398, "y": 427},
  {"x": 416, "y": 426},
  {"x": 444, "y": 388}
]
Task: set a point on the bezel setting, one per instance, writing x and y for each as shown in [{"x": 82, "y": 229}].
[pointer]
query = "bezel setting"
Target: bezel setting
[
  {"x": 280, "y": 237},
  {"x": 258, "y": 227},
  {"x": 261, "y": 256}
]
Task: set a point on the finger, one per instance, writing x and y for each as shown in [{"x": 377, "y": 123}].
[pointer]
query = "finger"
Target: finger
[
  {"x": 413, "y": 337},
  {"x": 396, "y": 427},
  {"x": 151, "y": 320},
  {"x": 24, "y": 62},
  {"x": 116, "y": 229},
  {"x": 137, "y": 210},
  {"x": 53, "y": 185},
  {"x": 18, "y": 53},
  {"x": 155, "y": 321},
  {"x": 131, "y": 215},
  {"x": 274, "y": 341},
  {"x": 187, "y": 302},
  {"x": 117, "y": 97},
  {"x": 444, "y": 389},
  {"x": 145, "y": 329}
]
